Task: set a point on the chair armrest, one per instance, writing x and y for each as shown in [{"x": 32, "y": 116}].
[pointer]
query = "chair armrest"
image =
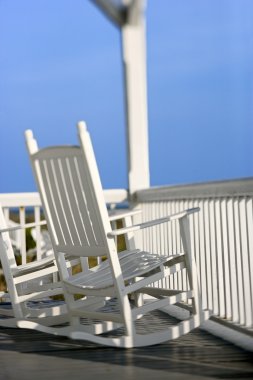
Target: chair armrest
[
  {"x": 34, "y": 265},
  {"x": 23, "y": 226},
  {"x": 121, "y": 214},
  {"x": 136, "y": 227}
]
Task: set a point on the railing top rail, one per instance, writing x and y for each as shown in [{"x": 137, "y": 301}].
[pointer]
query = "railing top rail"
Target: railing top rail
[
  {"x": 20, "y": 199},
  {"x": 229, "y": 188},
  {"x": 33, "y": 199}
]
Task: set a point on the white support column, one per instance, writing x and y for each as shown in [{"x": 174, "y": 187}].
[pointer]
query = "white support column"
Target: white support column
[
  {"x": 129, "y": 15},
  {"x": 134, "y": 59}
]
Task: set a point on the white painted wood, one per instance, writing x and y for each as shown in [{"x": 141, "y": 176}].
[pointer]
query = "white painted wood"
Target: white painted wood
[
  {"x": 219, "y": 253},
  {"x": 38, "y": 232},
  {"x": 241, "y": 298},
  {"x": 245, "y": 264},
  {"x": 249, "y": 210},
  {"x": 18, "y": 279},
  {"x": 9, "y": 200},
  {"x": 202, "y": 257},
  {"x": 213, "y": 268},
  {"x": 225, "y": 224},
  {"x": 134, "y": 61},
  {"x": 23, "y": 238},
  {"x": 227, "y": 278},
  {"x": 232, "y": 262},
  {"x": 121, "y": 274},
  {"x": 229, "y": 190}
]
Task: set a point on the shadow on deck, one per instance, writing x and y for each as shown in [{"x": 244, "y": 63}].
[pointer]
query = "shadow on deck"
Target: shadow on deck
[{"x": 26, "y": 354}]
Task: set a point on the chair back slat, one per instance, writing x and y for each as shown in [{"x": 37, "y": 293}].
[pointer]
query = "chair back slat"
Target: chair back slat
[
  {"x": 54, "y": 203},
  {"x": 74, "y": 197},
  {"x": 97, "y": 231},
  {"x": 69, "y": 200}
]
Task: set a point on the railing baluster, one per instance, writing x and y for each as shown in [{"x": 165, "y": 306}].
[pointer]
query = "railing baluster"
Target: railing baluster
[
  {"x": 203, "y": 274},
  {"x": 38, "y": 232},
  {"x": 227, "y": 281},
  {"x": 23, "y": 235},
  {"x": 220, "y": 267},
  {"x": 245, "y": 264},
  {"x": 232, "y": 261},
  {"x": 208, "y": 255},
  {"x": 249, "y": 210},
  {"x": 239, "y": 264}
]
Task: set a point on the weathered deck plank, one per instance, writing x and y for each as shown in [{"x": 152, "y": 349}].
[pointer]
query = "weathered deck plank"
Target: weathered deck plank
[{"x": 26, "y": 354}]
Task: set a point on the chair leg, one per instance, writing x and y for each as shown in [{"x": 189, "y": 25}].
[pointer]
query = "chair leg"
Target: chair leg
[{"x": 190, "y": 264}]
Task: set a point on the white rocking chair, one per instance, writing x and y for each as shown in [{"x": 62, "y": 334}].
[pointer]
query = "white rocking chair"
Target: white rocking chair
[
  {"x": 78, "y": 223},
  {"x": 29, "y": 286}
]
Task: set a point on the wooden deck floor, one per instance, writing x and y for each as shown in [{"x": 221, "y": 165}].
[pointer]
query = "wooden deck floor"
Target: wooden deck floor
[{"x": 26, "y": 354}]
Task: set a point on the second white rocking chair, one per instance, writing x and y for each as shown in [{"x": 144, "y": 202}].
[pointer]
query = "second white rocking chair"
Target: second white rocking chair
[
  {"x": 77, "y": 218},
  {"x": 30, "y": 286}
]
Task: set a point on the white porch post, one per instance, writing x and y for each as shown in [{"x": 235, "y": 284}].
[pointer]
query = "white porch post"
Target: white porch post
[
  {"x": 131, "y": 19},
  {"x": 134, "y": 59}
]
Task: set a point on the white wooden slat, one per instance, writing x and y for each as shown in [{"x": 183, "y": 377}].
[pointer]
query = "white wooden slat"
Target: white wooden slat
[
  {"x": 191, "y": 226},
  {"x": 51, "y": 204},
  {"x": 56, "y": 202},
  {"x": 173, "y": 242},
  {"x": 245, "y": 264},
  {"x": 175, "y": 226},
  {"x": 38, "y": 232},
  {"x": 144, "y": 207},
  {"x": 154, "y": 230},
  {"x": 163, "y": 228},
  {"x": 75, "y": 194},
  {"x": 93, "y": 211},
  {"x": 214, "y": 257},
  {"x": 144, "y": 231},
  {"x": 239, "y": 264},
  {"x": 159, "y": 233},
  {"x": 6, "y": 211},
  {"x": 227, "y": 280},
  {"x": 68, "y": 199},
  {"x": 148, "y": 231},
  {"x": 170, "y": 243},
  {"x": 155, "y": 235},
  {"x": 195, "y": 236},
  {"x": 220, "y": 269},
  {"x": 64, "y": 217},
  {"x": 180, "y": 248},
  {"x": 169, "y": 230},
  {"x": 157, "y": 230},
  {"x": 185, "y": 285},
  {"x": 177, "y": 242},
  {"x": 249, "y": 208},
  {"x": 203, "y": 274},
  {"x": 88, "y": 235},
  {"x": 208, "y": 254},
  {"x": 232, "y": 261},
  {"x": 22, "y": 234},
  {"x": 132, "y": 265},
  {"x": 166, "y": 237}
]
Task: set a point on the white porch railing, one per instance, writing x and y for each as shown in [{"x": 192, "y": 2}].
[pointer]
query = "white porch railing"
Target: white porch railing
[{"x": 222, "y": 237}]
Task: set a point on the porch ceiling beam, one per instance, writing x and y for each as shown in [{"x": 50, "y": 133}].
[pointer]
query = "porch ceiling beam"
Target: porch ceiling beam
[{"x": 115, "y": 13}]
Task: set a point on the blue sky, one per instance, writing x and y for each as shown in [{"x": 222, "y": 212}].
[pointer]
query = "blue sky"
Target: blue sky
[{"x": 60, "y": 62}]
